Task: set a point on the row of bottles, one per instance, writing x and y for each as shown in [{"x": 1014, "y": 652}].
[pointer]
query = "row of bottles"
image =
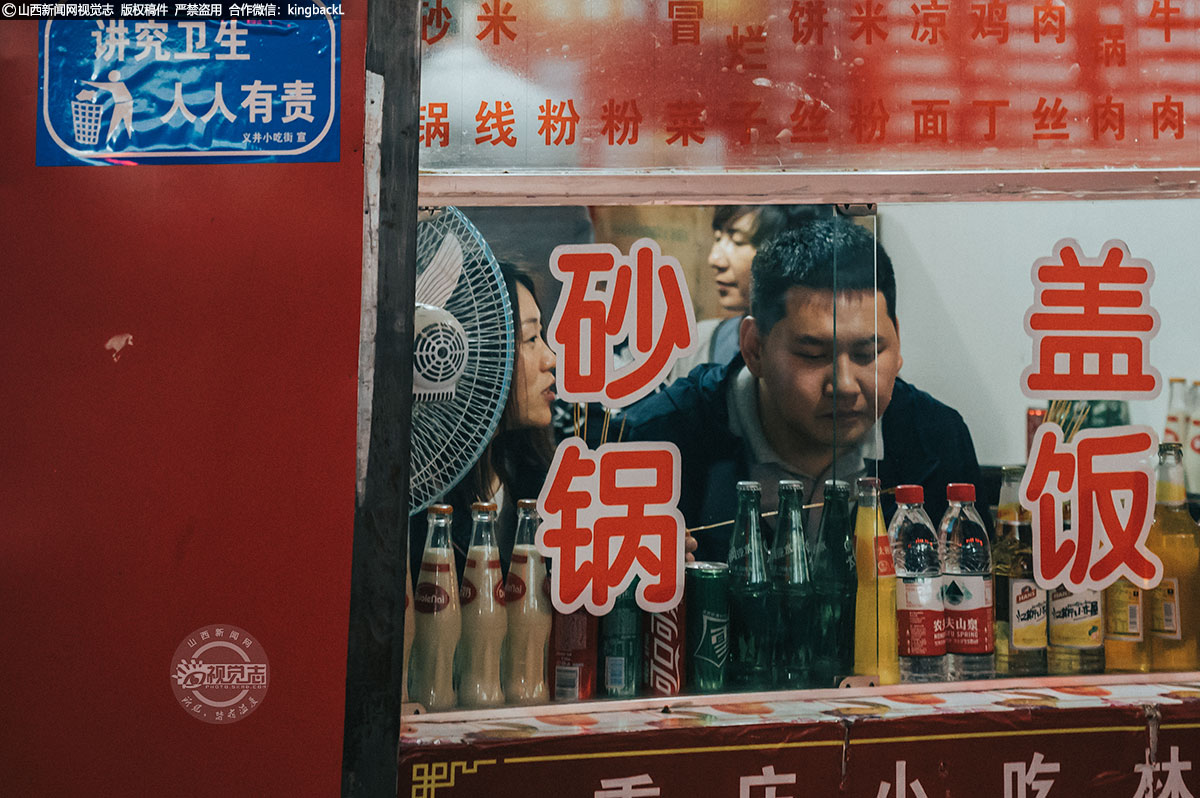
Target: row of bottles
[
  {"x": 1127, "y": 628},
  {"x": 1183, "y": 427},
  {"x": 486, "y": 644}
]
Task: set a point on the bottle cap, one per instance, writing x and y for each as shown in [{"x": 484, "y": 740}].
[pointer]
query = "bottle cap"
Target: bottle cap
[
  {"x": 960, "y": 492},
  {"x": 1165, "y": 448},
  {"x": 527, "y": 504},
  {"x": 441, "y": 509},
  {"x": 910, "y": 494},
  {"x": 836, "y": 489},
  {"x": 748, "y": 484},
  {"x": 791, "y": 485},
  {"x": 868, "y": 482},
  {"x": 483, "y": 507}
]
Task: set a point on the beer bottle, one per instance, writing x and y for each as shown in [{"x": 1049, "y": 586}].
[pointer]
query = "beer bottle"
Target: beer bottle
[
  {"x": 835, "y": 585},
  {"x": 529, "y": 614},
  {"x": 920, "y": 612},
  {"x": 791, "y": 591},
  {"x": 1022, "y": 608},
  {"x": 967, "y": 587},
  {"x": 438, "y": 618},
  {"x": 749, "y": 596},
  {"x": 875, "y": 606},
  {"x": 484, "y": 619},
  {"x": 1175, "y": 538}
]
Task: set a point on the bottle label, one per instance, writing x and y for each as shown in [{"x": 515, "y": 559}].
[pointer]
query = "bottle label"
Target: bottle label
[
  {"x": 968, "y": 613},
  {"x": 430, "y": 598},
  {"x": 468, "y": 592},
  {"x": 1124, "y": 615},
  {"x": 920, "y": 617},
  {"x": 566, "y": 682},
  {"x": 1028, "y": 610},
  {"x": 514, "y": 588},
  {"x": 1076, "y": 619},
  {"x": 884, "y": 565},
  {"x": 1164, "y": 610}
]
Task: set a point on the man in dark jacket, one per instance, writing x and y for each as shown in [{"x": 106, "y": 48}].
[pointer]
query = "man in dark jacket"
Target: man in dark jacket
[{"x": 814, "y": 395}]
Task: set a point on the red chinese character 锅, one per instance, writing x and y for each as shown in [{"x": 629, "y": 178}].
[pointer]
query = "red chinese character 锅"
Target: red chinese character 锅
[
  {"x": 1095, "y": 472},
  {"x": 1110, "y": 45},
  {"x": 1091, "y": 341},
  {"x": 870, "y": 19},
  {"x": 495, "y": 21},
  {"x": 435, "y": 21},
  {"x": 558, "y": 121},
  {"x": 808, "y": 21},
  {"x": 610, "y": 515},
  {"x": 435, "y": 124},
  {"x": 990, "y": 19},
  {"x": 609, "y": 298},
  {"x": 1168, "y": 115},
  {"x": 620, "y": 121},
  {"x": 495, "y": 125}
]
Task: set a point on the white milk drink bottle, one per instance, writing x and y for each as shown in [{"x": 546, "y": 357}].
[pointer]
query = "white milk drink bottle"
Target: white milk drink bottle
[
  {"x": 1191, "y": 445},
  {"x": 1177, "y": 412},
  {"x": 967, "y": 587},
  {"x": 529, "y": 615},
  {"x": 484, "y": 618},
  {"x": 920, "y": 613},
  {"x": 438, "y": 618}
]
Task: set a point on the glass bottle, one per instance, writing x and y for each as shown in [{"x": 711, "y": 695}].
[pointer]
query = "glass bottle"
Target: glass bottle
[
  {"x": 835, "y": 583},
  {"x": 484, "y": 618},
  {"x": 527, "y": 601},
  {"x": 1022, "y": 608},
  {"x": 1175, "y": 538},
  {"x": 438, "y": 621},
  {"x": 750, "y": 618},
  {"x": 875, "y": 605},
  {"x": 792, "y": 591}
]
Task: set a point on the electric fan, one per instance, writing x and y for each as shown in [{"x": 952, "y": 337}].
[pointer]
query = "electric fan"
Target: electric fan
[{"x": 463, "y": 348}]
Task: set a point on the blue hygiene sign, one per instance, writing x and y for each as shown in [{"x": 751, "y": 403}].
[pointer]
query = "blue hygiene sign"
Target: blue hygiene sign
[{"x": 121, "y": 91}]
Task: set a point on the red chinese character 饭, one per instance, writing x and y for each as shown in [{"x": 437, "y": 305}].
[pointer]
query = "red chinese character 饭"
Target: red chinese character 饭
[
  {"x": 609, "y": 299},
  {"x": 1091, "y": 324},
  {"x": 610, "y": 515},
  {"x": 1107, "y": 476},
  {"x": 808, "y": 21},
  {"x": 495, "y": 125}
]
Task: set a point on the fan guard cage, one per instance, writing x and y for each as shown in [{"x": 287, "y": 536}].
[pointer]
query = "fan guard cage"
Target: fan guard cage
[{"x": 448, "y": 436}]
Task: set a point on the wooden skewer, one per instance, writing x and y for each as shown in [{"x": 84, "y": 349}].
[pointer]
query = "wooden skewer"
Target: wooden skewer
[
  {"x": 771, "y": 514},
  {"x": 621, "y": 432},
  {"x": 604, "y": 427}
]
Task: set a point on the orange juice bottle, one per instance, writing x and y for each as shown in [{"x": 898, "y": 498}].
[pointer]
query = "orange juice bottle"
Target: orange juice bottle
[
  {"x": 875, "y": 608},
  {"x": 1175, "y": 538}
]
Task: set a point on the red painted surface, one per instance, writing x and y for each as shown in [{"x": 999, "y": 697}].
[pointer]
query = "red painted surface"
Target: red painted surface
[{"x": 206, "y": 477}]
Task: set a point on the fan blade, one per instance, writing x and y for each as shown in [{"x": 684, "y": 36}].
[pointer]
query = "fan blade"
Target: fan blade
[{"x": 437, "y": 282}]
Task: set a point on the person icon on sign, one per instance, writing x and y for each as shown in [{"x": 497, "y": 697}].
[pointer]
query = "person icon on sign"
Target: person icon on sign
[{"x": 123, "y": 103}]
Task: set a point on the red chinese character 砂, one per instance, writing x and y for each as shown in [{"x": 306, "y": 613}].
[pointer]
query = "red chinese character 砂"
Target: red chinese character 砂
[
  {"x": 1095, "y": 472},
  {"x": 435, "y": 21},
  {"x": 610, "y": 515},
  {"x": 1091, "y": 324},
  {"x": 608, "y": 299}
]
